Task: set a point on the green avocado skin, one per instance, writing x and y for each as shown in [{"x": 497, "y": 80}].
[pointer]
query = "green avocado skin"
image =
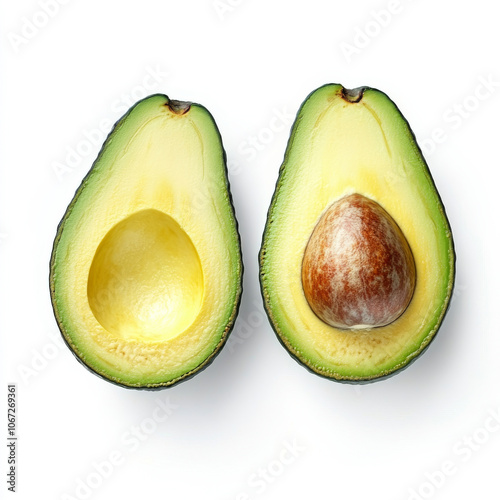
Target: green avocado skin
[
  {"x": 267, "y": 291},
  {"x": 178, "y": 107}
]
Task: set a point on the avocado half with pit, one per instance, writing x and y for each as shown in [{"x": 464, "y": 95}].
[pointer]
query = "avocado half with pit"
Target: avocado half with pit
[
  {"x": 146, "y": 267},
  {"x": 357, "y": 261}
]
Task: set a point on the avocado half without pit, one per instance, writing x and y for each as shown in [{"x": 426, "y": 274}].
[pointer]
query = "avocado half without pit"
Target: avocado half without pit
[
  {"x": 146, "y": 267},
  {"x": 357, "y": 261}
]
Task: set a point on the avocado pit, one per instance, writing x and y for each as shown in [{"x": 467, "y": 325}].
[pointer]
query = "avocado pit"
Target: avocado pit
[{"x": 358, "y": 270}]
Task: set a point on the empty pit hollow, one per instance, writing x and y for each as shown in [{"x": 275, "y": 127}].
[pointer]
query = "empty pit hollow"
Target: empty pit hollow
[{"x": 146, "y": 279}]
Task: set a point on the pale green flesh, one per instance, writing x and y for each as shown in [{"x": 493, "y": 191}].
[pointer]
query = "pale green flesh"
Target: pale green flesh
[
  {"x": 338, "y": 148},
  {"x": 146, "y": 267}
]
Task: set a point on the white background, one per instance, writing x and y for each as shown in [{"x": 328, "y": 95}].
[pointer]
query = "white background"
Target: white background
[{"x": 228, "y": 428}]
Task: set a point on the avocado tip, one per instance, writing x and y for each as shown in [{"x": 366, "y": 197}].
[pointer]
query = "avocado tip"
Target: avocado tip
[
  {"x": 179, "y": 107},
  {"x": 353, "y": 95}
]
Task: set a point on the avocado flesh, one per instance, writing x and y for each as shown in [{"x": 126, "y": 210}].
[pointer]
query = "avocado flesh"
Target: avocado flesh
[
  {"x": 346, "y": 142},
  {"x": 146, "y": 266}
]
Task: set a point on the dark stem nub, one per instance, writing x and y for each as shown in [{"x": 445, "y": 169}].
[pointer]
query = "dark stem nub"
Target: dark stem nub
[
  {"x": 353, "y": 95},
  {"x": 179, "y": 107}
]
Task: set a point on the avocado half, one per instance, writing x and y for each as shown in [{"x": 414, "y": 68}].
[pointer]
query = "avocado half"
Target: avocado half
[
  {"x": 146, "y": 268},
  {"x": 354, "y": 186}
]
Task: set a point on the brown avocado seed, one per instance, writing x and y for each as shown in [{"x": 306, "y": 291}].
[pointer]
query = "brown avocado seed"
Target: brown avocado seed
[{"x": 358, "y": 270}]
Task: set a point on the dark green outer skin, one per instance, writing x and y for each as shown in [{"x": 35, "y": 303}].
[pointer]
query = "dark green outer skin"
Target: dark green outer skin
[
  {"x": 303, "y": 363},
  {"x": 229, "y": 327}
]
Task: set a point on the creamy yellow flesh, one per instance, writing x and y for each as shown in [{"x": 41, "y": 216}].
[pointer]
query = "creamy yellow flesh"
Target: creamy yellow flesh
[
  {"x": 146, "y": 271},
  {"x": 340, "y": 148}
]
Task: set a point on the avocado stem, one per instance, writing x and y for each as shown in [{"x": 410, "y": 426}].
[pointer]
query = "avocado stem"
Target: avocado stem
[
  {"x": 179, "y": 107},
  {"x": 353, "y": 95}
]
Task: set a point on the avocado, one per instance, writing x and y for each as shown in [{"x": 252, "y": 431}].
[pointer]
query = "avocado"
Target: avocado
[
  {"x": 146, "y": 267},
  {"x": 357, "y": 262}
]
